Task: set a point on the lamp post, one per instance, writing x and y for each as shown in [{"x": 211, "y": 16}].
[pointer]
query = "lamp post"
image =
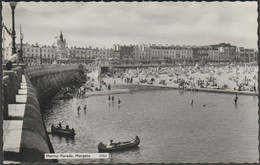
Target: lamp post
[
  {"x": 21, "y": 51},
  {"x": 13, "y": 5}
]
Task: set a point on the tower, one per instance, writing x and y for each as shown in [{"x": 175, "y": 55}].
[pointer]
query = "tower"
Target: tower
[{"x": 62, "y": 51}]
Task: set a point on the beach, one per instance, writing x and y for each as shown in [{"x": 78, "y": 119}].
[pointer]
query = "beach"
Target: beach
[{"x": 227, "y": 79}]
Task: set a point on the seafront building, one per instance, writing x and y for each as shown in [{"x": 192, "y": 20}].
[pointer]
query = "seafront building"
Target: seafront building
[{"x": 143, "y": 53}]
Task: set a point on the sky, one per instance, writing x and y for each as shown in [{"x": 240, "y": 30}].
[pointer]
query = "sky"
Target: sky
[{"x": 103, "y": 24}]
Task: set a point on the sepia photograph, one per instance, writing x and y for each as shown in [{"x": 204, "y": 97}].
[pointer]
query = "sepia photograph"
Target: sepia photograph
[{"x": 130, "y": 82}]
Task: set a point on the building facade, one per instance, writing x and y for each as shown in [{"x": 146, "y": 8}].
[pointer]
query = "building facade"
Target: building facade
[{"x": 144, "y": 53}]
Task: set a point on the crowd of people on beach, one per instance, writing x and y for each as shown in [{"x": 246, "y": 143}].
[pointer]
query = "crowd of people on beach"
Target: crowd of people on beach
[{"x": 229, "y": 77}]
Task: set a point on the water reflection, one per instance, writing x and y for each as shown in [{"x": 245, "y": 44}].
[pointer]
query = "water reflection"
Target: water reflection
[{"x": 62, "y": 138}]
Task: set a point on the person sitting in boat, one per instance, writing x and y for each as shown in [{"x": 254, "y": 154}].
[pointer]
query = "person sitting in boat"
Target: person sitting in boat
[
  {"x": 60, "y": 126},
  {"x": 67, "y": 127},
  {"x": 111, "y": 143}
]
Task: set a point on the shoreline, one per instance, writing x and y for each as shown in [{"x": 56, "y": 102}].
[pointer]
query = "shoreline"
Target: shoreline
[
  {"x": 208, "y": 90},
  {"x": 127, "y": 88}
]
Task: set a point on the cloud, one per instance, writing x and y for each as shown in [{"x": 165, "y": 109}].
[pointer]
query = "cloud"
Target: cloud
[{"x": 104, "y": 24}]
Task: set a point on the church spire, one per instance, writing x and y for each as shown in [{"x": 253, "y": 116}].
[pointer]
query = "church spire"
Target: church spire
[{"x": 61, "y": 36}]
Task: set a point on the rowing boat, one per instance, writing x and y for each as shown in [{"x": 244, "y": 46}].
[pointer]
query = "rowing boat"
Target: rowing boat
[
  {"x": 119, "y": 146},
  {"x": 63, "y": 132}
]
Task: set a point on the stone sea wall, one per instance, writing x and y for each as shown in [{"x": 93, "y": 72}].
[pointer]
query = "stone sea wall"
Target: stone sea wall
[
  {"x": 25, "y": 138},
  {"x": 49, "y": 82},
  {"x": 35, "y": 141}
]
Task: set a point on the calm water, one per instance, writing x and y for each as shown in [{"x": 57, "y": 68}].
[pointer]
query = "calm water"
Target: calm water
[{"x": 170, "y": 129}]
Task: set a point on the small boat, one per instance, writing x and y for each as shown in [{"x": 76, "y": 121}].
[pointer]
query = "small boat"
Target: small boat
[
  {"x": 62, "y": 132},
  {"x": 119, "y": 146}
]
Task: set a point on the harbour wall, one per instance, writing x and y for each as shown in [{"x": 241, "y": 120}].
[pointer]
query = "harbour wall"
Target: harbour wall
[
  {"x": 25, "y": 138},
  {"x": 49, "y": 79}
]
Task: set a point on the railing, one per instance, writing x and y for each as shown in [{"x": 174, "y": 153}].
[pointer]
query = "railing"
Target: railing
[{"x": 49, "y": 68}]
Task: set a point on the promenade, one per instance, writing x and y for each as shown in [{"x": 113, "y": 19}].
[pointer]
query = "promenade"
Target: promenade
[{"x": 25, "y": 138}]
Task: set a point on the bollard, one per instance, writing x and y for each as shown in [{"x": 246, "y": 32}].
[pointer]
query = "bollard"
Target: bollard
[
  {"x": 4, "y": 66},
  {"x": 19, "y": 73},
  {"x": 11, "y": 86},
  {"x": 17, "y": 83},
  {"x": 23, "y": 67},
  {"x": 4, "y": 101}
]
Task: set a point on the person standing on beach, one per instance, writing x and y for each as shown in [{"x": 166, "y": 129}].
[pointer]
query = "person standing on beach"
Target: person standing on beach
[
  {"x": 85, "y": 107},
  {"x": 191, "y": 102},
  {"x": 78, "y": 108},
  {"x": 109, "y": 97}
]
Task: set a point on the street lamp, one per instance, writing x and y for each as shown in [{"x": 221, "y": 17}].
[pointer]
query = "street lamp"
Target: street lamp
[
  {"x": 13, "y": 5},
  {"x": 21, "y": 52}
]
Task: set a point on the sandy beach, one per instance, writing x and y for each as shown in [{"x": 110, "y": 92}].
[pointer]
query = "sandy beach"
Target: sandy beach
[{"x": 226, "y": 79}]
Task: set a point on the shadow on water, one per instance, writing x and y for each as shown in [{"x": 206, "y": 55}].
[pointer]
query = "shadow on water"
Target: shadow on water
[
  {"x": 121, "y": 151},
  {"x": 236, "y": 106},
  {"x": 68, "y": 139},
  {"x": 181, "y": 92}
]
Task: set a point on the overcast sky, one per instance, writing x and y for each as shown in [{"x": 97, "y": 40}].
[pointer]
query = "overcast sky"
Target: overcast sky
[{"x": 101, "y": 24}]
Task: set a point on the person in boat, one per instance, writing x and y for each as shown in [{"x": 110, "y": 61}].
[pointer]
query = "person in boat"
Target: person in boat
[
  {"x": 60, "y": 126},
  {"x": 111, "y": 143}
]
